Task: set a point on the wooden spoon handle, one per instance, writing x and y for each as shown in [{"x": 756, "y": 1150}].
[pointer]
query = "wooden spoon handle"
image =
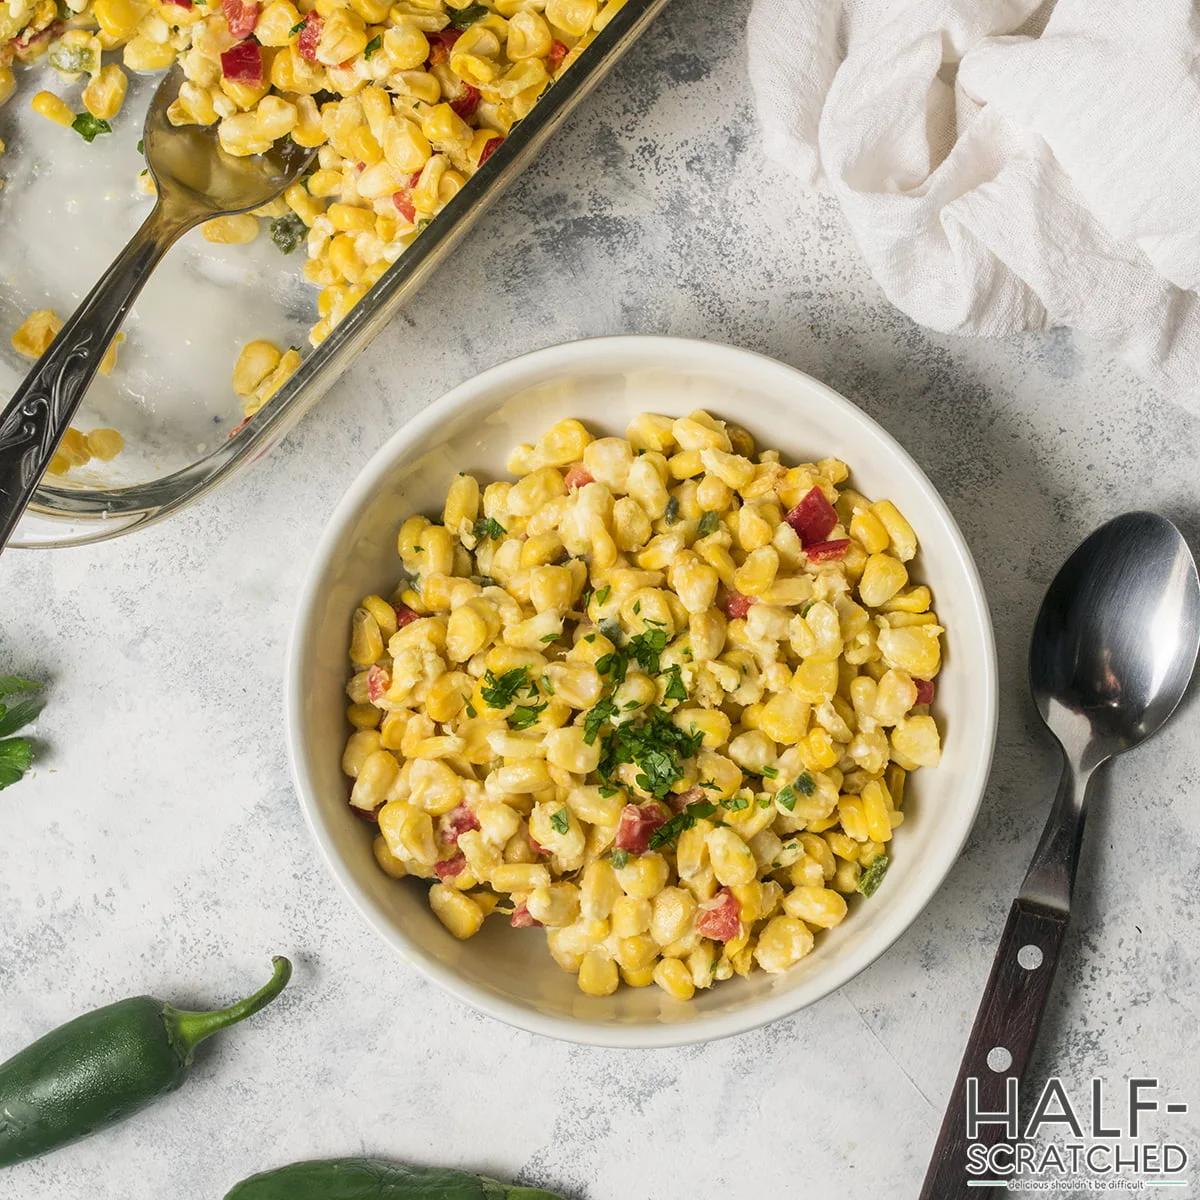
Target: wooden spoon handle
[{"x": 998, "y": 1051}]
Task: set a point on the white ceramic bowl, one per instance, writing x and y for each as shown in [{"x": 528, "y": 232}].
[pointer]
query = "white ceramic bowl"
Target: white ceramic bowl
[{"x": 508, "y": 973}]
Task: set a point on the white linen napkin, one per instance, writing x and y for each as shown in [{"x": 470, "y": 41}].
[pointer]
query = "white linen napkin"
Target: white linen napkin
[{"x": 1005, "y": 165}]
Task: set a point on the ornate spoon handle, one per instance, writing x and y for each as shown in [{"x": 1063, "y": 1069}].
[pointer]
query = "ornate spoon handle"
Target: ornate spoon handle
[{"x": 40, "y": 411}]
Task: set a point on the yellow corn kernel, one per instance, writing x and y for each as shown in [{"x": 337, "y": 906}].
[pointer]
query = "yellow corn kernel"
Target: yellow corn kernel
[
  {"x": 520, "y": 877},
  {"x": 239, "y": 135},
  {"x": 528, "y": 36},
  {"x": 105, "y": 92},
  {"x": 673, "y": 910},
  {"x": 711, "y": 722},
  {"x": 784, "y": 718},
  {"x": 631, "y": 916},
  {"x": 231, "y": 231},
  {"x": 363, "y": 716},
  {"x": 782, "y": 944},
  {"x": 818, "y": 906},
  {"x": 894, "y": 777},
  {"x": 555, "y": 905},
  {"x": 643, "y": 876},
  {"x": 36, "y": 332},
  {"x": 915, "y": 649},
  {"x": 853, "y": 818},
  {"x": 882, "y": 577},
  {"x": 877, "y": 811},
  {"x": 900, "y": 532},
  {"x": 598, "y": 974},
  {"x": 118, "y": 18},
  {"x": 349, "y": 218},
  {"x": 366, "y": 641},
  {"x": 817, "y": 751},
  {"x": 459, "y": 913},
  {"x": 641, "y": 978},
  {"x": 256, "y": 361},
  {"x": 447, "y": 696},
  {"x": 142, "y": 53},
  {"x": 814, "y": 682},
  {"x": 674, "y": 978},
  {"x": 105, "y": 444},
  {"x": 868, "y": 529},
  {"x": 732, "y": 860},
  {"x": 911, "y": 600},
  {"x": 916, "y": 741},
  {"x": 375, "y": 778},
  {"x": 389, "y": 864},
  {"x": 845, "y": 879},
  {"x": 360, "y": 745},
  {"x": 53, "y": 108},
  {"x": 756, "y": 575},
  {"x": 685, "y": 465}
]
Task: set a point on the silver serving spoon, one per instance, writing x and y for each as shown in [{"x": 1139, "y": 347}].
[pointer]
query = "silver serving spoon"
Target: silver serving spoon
[
  {"x": 1111, "y": 655},
  {"x": 196, "y": 181}
]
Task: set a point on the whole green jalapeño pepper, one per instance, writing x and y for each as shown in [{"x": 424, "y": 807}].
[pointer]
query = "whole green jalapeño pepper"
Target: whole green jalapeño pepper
[{"x": 105, "y": 1066}]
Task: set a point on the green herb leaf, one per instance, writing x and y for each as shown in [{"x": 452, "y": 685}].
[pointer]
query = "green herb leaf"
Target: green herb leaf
[
  {"x": 770, "y": 773},
  {"x": 372, "y": 46},
  {"x": 288, "y": 232},
  {"x": 295, "y": 29},
  {"x": 607, "y": 789},
  {"x": 872, "y": 877},
  {"x": 525, "y": 715},
  {"x": 764, "y": 801},
  {"x": 489, "y": 527},
  {"x": 601, "y": 714},
  {"x": 19, "y": 715},
  {"x": 646, "y": 647},
  {"x": 462, "y": 17},
  {"x": 675, "y": 689},
  {"x": 561, "y": 821},
  {"x": 735, "y": 803},
  {"x": 141, "y": 146},
  {"x": 655, "y": 746},
  {"x": 708, "y": 523},
  {"x": 637, "y": 608},
  {"x": 620, "y": 859},
  {"x": 668, "y": 834},
  {"x": 551, "y": 637},
  {"x": 672, "y": 513},
  {"x": 603, "y": 594},
  {"x": 16, "y": 757},
  {"x": 501, "y": 692},
  {"x": 547, "y": 686},
  {"x": 806, "y": 783},
  {"x": 471, "y": 710},
  {"x": 9, "y": 684},
  {"x": 786, "y": 798},
  {"x": 89, "y": 128}
]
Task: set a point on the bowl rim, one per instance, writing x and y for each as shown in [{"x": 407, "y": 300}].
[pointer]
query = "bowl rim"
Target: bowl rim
[{"x": 673, "y": 351}]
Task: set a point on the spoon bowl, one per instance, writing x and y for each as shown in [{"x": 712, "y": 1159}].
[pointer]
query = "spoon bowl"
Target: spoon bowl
[{"x": 1116, "y": 638}]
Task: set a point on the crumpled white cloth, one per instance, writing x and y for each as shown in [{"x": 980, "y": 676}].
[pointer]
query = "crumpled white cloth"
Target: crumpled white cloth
[{"x": 1002, "y": 171}]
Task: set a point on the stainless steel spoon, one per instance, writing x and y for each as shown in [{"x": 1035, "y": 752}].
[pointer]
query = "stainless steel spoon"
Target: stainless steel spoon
[
  {"x": 196, "y": 181},
  {"x": 1112, "y": 651}
]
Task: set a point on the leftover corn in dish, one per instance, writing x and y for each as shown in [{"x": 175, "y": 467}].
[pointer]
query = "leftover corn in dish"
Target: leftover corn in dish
[
  {"x": 660, "y": 696},
  {"x": 405, "y": 102}
]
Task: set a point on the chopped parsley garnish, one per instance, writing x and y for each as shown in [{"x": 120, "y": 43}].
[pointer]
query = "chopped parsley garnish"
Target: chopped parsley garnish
[
  {"x": 668, "y": 834},
  {"x": 614, "y": 666},
  {"x": 805, "y": 783},
  {"x": 462, "y": 17},
  {"x": 710, "y": 785},
  {"x": 675, "y": 689},
  {"x": 489, "y": 527},
  {"x": 637, "y": 607},
  {"x": 769, "y": 773},
  {"x": 786, "y": 798},
  {"x": 525, "y": 715},
  {"x": 601, "y": 714},
  {"x": 141, "y": 146},
  {"x": 89, "y": 127},
  {"x": 645, "y": 649},
  {"x": 287, "y": 232},
  {"x": 672, "y": 513},
  {"x": 551, "y": 637},
  {"x": 620, "y": 859},
  {"x": 471, "y": 710},
  {"x": 547, "y": 686},
  {"x": 872, "y": 877},
  {"x": 764, "y": 801},
  {"x": 611, "y": 628},
  {"x": 500, "y": 692},
  {"x": 561, "y": 821},
  {"x": 656, "y": 747},
  {"x": 607, "y": 789},
  {"x": 735, "y": 803},
  {"x": 372, "y": 46},
  {"x": 603, "y": 594},
  {"x": 708, "y": 523},
  {"x": 295, "y": 29},
  {"x": 16, "y": 754}
]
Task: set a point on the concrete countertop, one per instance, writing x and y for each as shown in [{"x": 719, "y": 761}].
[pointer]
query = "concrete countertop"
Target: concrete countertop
[{"x": 159, "y": 847}]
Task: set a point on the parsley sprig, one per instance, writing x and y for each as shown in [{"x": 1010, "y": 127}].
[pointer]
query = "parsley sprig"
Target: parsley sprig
[
  {"x": 488, "y": 527},
  {"x": 872, "y": 877},
  {"x": 499, "y": 691},
  {"x": 668, "y": 834},
  {"x": 16, "y": 754},
  {"x": 655, "y": 746}
]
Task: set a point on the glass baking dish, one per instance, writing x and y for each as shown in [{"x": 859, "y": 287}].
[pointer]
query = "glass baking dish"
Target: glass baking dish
[{"x": 66, "y": 211}]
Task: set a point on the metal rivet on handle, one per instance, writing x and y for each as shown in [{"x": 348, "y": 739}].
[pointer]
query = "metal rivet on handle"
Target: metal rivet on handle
[
  {"x": 1030, "y": 957},
  {"x": 999, "y": 1059}
]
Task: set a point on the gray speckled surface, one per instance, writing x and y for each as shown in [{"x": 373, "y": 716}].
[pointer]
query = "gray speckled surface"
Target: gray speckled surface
[{"x": 160, "y": 848}]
